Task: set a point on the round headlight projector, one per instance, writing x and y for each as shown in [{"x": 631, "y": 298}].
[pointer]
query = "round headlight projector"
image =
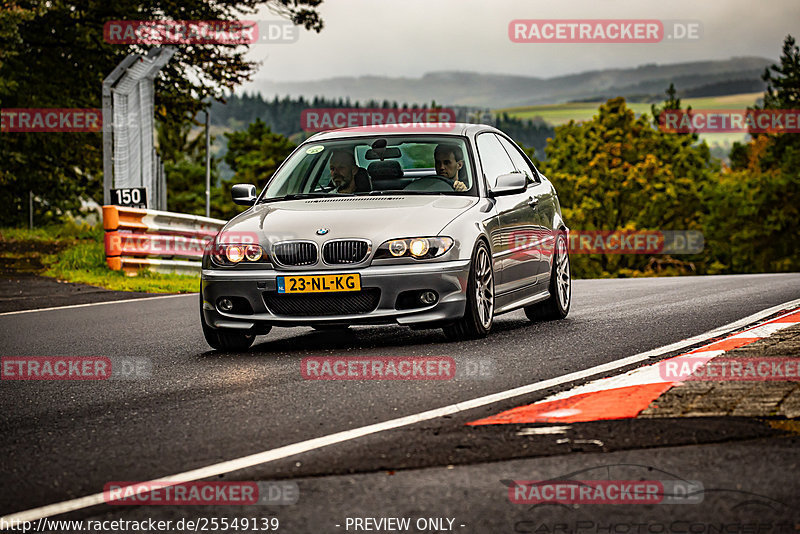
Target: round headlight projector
[
  {"x": 397, "y": 248},
  {"x": 252, "y": 253},
  {"x": 234, "y": 253},
  {"x": 419, "y": 247}
]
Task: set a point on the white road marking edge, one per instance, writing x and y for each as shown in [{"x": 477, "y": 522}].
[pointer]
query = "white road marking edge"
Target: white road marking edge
[
  {"x": 347, "y": 435},
  {"x": 98, "y": 303}
]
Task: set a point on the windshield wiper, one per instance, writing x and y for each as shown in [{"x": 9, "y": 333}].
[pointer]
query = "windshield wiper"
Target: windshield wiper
[
  {"x": 399, "y": 192},
  {"x": 412, "y": 192},
  {"x": 300, "y": 196},
  {"x": 379, "y": 192},
  {"x": 294, "y": 196}
]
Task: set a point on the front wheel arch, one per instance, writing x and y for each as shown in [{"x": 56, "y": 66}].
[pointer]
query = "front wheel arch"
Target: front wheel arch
[{"x": 477, "y": 320}]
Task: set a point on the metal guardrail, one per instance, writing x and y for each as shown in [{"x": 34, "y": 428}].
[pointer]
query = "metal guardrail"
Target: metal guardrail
[{"x": 159, "y": 241}]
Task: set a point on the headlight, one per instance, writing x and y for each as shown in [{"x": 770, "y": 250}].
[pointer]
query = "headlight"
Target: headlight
[
  {"x": 229, "y": 254},
  {"x": 397, "y": 248},
  {"x": 253, "y": 253},
  {"x": 234, "y": 253},
  {"x": 420, "y": 248}
]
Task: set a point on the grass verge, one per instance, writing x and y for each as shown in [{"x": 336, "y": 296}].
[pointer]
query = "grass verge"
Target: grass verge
[{"x": 76, "y": 253}]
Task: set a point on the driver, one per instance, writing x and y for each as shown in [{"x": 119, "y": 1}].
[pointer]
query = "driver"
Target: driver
[
  {"x": 449, "y": 162},
  {"x": 346, "y": 175}
]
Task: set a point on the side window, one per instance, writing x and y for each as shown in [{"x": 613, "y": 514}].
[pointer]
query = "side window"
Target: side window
[
  {"x": 520, "y": 162},
  {"x": 494, "y": 159}
]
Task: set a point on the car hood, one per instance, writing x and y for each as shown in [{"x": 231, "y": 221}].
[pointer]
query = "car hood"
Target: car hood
[{"x": 375, "y": 218}]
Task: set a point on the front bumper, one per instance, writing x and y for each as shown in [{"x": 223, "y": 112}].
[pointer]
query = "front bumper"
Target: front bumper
[{"x": 447, "y": 279}]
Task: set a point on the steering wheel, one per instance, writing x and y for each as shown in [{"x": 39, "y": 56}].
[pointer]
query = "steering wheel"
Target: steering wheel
[
  {"x": 325, "y": 188},
  {"x": 435, "y": 182}
]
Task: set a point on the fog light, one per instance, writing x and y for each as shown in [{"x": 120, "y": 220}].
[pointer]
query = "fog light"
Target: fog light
[
  {"x": 427, "y": 297},
  {"x": 225, "y": 305}
]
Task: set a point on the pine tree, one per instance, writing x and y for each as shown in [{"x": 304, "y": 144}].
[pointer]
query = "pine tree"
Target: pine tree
[{"x": 783, "y": 81}]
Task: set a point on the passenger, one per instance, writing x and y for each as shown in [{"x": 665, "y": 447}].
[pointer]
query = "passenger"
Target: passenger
[
  {"x": 346, "y": 175},
  {"x": 449, "y": 162}
]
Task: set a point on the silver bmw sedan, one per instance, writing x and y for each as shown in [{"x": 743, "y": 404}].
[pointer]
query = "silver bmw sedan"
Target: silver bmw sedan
[{"x": 429, "y": 227}]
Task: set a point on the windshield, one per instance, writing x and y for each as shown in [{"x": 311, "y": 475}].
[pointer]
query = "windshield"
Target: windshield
[{"x": 376, "y": 165}]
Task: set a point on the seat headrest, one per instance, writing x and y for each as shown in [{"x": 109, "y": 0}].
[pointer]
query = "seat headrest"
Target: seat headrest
[{"x": 385, "y": 169}]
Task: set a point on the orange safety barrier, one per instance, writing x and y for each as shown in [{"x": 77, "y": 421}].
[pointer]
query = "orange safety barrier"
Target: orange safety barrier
[{"x": 160, "y": 241}]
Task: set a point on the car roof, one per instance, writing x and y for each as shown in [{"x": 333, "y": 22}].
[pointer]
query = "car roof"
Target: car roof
[{"x": 458, "y": 128}]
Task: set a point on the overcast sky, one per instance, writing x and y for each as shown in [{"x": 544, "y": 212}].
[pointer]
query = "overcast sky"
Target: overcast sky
[{"x": 411, "y": 37}]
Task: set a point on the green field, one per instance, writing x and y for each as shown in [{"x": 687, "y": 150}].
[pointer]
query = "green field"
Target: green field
[{"x": 557, "y": 114}]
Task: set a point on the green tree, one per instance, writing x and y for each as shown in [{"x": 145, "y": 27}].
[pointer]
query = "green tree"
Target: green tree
[
  {"x": 753, "y": 216},
  {"x": 174, "y": 142},
  {"x": 753, "y": 222},
  {"x": 254, "y": 155},
  {"x": 618, "y": 172},
  {"x": 186, "y": 179},
  {"x": 185, "y": 169},
  {"x": 12, "y": 14},
  {"x": 783, "y": 81},
  {"x": 672, "y": 102},
  {"x": 53, "y": 54},
  {"x": 782, "y": 92}
]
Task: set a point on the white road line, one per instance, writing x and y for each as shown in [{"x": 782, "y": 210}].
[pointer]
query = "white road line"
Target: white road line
[
  {"x": 762, "y": 331},
  {"x": 347, "y": 435},
  {"x": 97, "y": 304}
]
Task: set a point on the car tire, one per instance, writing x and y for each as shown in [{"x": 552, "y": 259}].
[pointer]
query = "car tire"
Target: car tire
[
  {"x": 479, "y": 312},
  {"x": 557, "y": 304},
  {"x": 222, "y": 339}
]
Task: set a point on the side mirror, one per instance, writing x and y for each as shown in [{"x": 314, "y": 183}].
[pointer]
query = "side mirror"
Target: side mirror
[
  {"x": 509, "y": 184},
  {"x": 244, "y": 194}
]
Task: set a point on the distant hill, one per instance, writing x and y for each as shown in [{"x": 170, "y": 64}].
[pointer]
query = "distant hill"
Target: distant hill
[{"x": 496, "y": 90}]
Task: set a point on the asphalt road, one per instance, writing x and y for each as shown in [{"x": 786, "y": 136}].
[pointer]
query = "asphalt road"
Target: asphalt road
[{"x": 66, "y": 439}]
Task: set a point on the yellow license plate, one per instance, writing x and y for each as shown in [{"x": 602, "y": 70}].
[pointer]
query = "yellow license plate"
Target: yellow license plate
[{"x": 319, "y": 283}]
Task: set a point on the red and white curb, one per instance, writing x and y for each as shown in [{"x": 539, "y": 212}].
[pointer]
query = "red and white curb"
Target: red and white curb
[{"x": 625, "y": 396}]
